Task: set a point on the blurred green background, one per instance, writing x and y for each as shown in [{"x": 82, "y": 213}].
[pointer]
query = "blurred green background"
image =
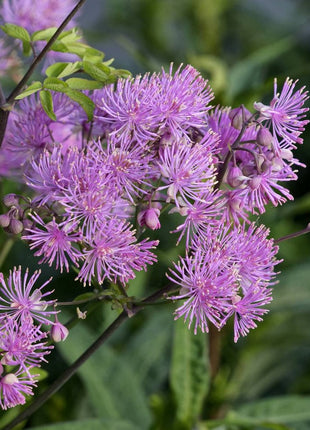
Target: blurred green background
[{"x": 153, "y": 373}]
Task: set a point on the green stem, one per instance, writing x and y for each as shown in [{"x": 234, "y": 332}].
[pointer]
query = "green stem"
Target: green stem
[{"x": 293, "y": 235}]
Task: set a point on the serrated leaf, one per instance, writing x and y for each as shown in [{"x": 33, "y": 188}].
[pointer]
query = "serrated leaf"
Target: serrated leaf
[
  {"x": 83, "y": 84},
  {"x": 99, "y": 72},
  {"x": 85, "y": 102},
  {"x": 60, "y": 70},
  {"x": 55, "y": 84},
  {"x": 47, "y": 104},
  {"x": 45, "y": 34},
  {"x": 189, "y": 375},
  {"x": 16, "y": 31},
  {"x": 31, "y": 89}
]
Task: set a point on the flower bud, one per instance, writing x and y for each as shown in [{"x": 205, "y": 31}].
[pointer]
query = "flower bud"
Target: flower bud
[
  {"x": 286, "y": 154},
  {"x": 10, "y": 379},
  {"x": 239, "y": 116},
  {"x": 59, "y": 332},
  {"x": 16, "y": 226},
  {"x": 264, "y": 137},
  {"x": 149, "y": 217},
  {"x": 235, "y": 177},
  {"x": 4, "y": 220},
  {"x": 276, "y": 164},
  {"x": 10, "y": 200}
]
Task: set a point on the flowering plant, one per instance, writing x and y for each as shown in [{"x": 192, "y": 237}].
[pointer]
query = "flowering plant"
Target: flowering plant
[{"x": 99, "y": 160}]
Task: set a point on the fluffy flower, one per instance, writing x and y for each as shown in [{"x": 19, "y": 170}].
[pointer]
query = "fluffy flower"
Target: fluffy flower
[
  {"x": 14, "y": 387},
  {"x": 113, "y": 253},
  {"x": 21, "y": 301},
  {"x": 54, "y": 241},
  {"x": 285, "y": 113}
]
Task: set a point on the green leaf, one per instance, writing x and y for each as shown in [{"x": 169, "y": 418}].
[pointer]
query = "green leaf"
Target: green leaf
[
  {"x": 85, "y": 296},
  {"x": 17, "y": 32},
  {"x": 55, "y": 84},
  {"x": 60, "y": 70},
  {"x": 189, "y": 372},
  {"x": 277, "y": 410},
  {"x": 83, "y": 84},
  {"x": 109, "y": 379},
  {"x": 47, "y": 104},
  {"x": 99, "y": 72},
  {"x": 241, "y": 75},
  {"x": 31, "y": 89},
  {"x": 89, "y": 424},
  {"x": 85, "y": 102},
  {"x": 45, "y": 34},
  {"x": 27, "y": 49}
]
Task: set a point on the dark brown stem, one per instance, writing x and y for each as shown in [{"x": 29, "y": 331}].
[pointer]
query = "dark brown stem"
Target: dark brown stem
[
  {"x": 293, "y": 235},
  {"x": 71, "y": 370},
  {"x": 4, "y": 113}
]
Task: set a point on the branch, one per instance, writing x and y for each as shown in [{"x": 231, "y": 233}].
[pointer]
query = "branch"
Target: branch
[
  {"x": 293, "y": 235},
  {"x": 4, "y": 113},
  {"x": 71, "y": 370}
]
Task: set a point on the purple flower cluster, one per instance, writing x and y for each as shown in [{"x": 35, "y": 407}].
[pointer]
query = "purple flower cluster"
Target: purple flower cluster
[
  {"x": 156, "y": 143},
  {"x": 23, "y": 344}
]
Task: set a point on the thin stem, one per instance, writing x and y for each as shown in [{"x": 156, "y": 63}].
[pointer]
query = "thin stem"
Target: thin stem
[
  {"x": 214, "y": 350},
  {"x": 71, "y": 370},
  {"x": 293, "y": 235},
  {"x": 4, "y": 113}
]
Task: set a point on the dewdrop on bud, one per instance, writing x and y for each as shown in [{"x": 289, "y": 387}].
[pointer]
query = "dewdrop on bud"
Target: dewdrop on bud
[
  {"x": 10, "y": 200},
  {"x": 59, "y": 332},
  {"x": 16, "y": 226},
  {"x": 5, "y": 220},
  {"x": 264, "y": 137}
]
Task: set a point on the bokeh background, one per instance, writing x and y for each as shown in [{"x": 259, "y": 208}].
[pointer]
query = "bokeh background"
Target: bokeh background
[{"x": 240, "y": 46}]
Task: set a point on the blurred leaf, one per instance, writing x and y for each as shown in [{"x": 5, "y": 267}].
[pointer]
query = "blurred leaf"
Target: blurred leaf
[
  {"x": 60, "y": 70},
  {"x": 85, "y": 296},
  {"x": 215, "y": 67},
  {"x": 45, "y": 34},
  {"x": 55, "y": 84},
  {"x": 189, "y": 375},
  {"x": 47, "y": 104},
  {"x": 241, "y": 74},
  {"x": 109, "y": 379},
  {"x": 281, "y": 410},
  {"x": 83, "y": 84},
  {"x": 33, "y": 88},
  {"x": 99, "y": 72},
  {"x": 85, "y": 102},
  {"x": 17, "y": 32},
  {"x": 89, "y": 424},
  {"x": 27, "y": 49}
]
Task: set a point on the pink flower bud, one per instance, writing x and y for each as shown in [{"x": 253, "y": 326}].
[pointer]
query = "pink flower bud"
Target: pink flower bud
[
  {"x": 235, "y": 177},
  {"x": 4, "y": 220},
  {"x": 239, "y": 116},
  {"x": 149, "y": 217},
  {"x": 264, "y": 137},
  {"x": 59, "y": 332},
  {"x": 255, "y": 182},
  {"x": 10, "y": 200},
  {"x": 16, "y": 226}
]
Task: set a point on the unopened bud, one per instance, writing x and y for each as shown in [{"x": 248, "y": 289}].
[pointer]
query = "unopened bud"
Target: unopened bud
[
  {"x": 16, "y": 226},
  {"x": 286, "y": 154},
  {"x": 5, "y": 220},
  {"x": 277, "y": 164},
  {"x": 59, "y": 332},
  {"x": 149, "y": 217},
  {"x": 10, "y": 200},
  {"x": 9, "y": 379},
  {"x": 235, "y": 177},
  {"x": 264, "y": 137},
  {"x": 239, "y": 116},
  {"x": 27, "y": 224}
]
